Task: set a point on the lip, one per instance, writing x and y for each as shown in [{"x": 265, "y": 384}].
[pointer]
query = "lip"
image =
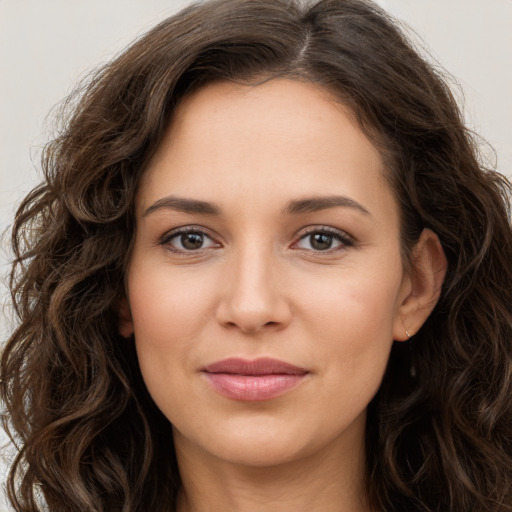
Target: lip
[{"x": 253, "y": 380}]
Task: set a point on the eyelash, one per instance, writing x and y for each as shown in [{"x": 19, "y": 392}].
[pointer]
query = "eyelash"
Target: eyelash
[
  {"x": 166, "y": 239},
  {"x": 341, "y": 237}
]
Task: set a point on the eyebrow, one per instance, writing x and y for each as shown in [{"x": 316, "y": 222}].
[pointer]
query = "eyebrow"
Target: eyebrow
[
  {"x": 315, "y": 204},
  {"x": 306, "y": 205},
  {"x": 184, "y": 205}
]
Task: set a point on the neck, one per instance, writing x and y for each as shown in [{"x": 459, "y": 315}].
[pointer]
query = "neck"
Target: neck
[{"x": 330, "y": 480}]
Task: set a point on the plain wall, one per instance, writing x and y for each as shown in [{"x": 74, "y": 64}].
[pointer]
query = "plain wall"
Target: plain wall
[{"x": 47, "y": 45}]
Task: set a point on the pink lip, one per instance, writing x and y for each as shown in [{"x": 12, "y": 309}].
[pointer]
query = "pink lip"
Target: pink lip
[{"x": 257, "y": 380}]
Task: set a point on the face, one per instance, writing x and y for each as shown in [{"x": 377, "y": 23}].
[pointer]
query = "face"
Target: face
[{"x": 266, "y": 285}]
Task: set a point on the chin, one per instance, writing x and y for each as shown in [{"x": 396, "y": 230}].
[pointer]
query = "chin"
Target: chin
[{"x": 259, "y": 453}]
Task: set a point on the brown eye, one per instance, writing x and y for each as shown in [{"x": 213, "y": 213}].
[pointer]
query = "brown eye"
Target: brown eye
[
  {"x": 192, "y": 241},
  {"x": 187, "y": 240},
  {"x": 324, "y": 239},
  {"x": 321, "y": 241}
]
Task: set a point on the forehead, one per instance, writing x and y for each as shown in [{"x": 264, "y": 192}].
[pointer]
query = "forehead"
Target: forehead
[
  {"x": 264, "y": 139},
  {"x": 297, "y": 111}
]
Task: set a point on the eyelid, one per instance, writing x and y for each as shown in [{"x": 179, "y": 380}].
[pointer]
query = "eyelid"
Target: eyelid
[
  {"x": 166, "y": 238},
  {"x": 343, "y": 237}
]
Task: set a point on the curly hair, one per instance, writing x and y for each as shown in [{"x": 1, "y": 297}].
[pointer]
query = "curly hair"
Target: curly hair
[{"x": 89, "y": 436}]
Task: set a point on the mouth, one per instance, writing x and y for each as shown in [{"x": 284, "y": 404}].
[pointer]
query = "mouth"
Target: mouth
[{"x": 257, "y": 380}]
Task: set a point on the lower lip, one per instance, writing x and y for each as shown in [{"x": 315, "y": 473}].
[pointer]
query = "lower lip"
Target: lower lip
[{"x": 252, "y": 388}]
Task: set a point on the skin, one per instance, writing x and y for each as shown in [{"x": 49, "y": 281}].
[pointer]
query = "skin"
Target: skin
[{"x": 258, "y": 286}]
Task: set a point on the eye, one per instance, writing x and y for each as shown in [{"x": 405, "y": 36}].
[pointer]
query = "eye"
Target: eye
[
  {"x": 188, "y": 240},
  {"x": 323, "y": 239}
]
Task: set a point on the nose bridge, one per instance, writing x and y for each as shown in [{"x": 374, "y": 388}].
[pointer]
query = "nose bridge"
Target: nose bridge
[
  {"x": 253, "y": 272},
  {"x": 253, "y": 298}
]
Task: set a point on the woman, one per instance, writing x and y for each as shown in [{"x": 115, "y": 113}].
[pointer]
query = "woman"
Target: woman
[{"x": 266, "y": 271}]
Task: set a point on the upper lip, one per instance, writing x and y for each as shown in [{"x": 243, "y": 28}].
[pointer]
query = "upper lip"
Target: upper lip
[{"x": 261, "y": 366}]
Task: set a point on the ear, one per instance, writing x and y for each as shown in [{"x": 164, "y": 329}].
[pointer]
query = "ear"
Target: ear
[
  {"x": 423, "y": 285},
  {"x": 125, "y": 318}
]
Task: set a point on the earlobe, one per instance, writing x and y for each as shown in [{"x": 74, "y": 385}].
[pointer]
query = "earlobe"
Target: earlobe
[
  {"x": 426, "y": 277},
  {"x": 125, "y": 318}
]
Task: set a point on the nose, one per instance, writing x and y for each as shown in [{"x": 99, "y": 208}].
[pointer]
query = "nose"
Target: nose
[{"x": 254, "y": 297}]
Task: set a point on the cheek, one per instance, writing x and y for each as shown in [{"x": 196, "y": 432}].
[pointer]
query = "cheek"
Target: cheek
[
  {"x": 352, "y": 319},
  {"x": 169, "y": 314},
  {"x": 353, "y": 347},
  {"x": 354, "y": 305},
  {"x": 166, "y": 307}
]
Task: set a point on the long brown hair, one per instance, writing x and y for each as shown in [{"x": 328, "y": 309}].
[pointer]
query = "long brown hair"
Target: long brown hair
[{"x": 439, "y": 433}]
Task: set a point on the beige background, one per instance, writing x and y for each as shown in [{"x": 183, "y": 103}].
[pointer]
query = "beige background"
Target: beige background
[{"x": 47, "y": 45}]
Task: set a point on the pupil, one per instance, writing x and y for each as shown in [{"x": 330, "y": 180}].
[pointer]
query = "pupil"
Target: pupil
[
  {"x": 192, "y": 240},
  {"x": 321, "y": 241}
]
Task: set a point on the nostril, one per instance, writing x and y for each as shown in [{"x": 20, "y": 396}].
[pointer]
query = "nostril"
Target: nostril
[{"x": 251, "y": 327}]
